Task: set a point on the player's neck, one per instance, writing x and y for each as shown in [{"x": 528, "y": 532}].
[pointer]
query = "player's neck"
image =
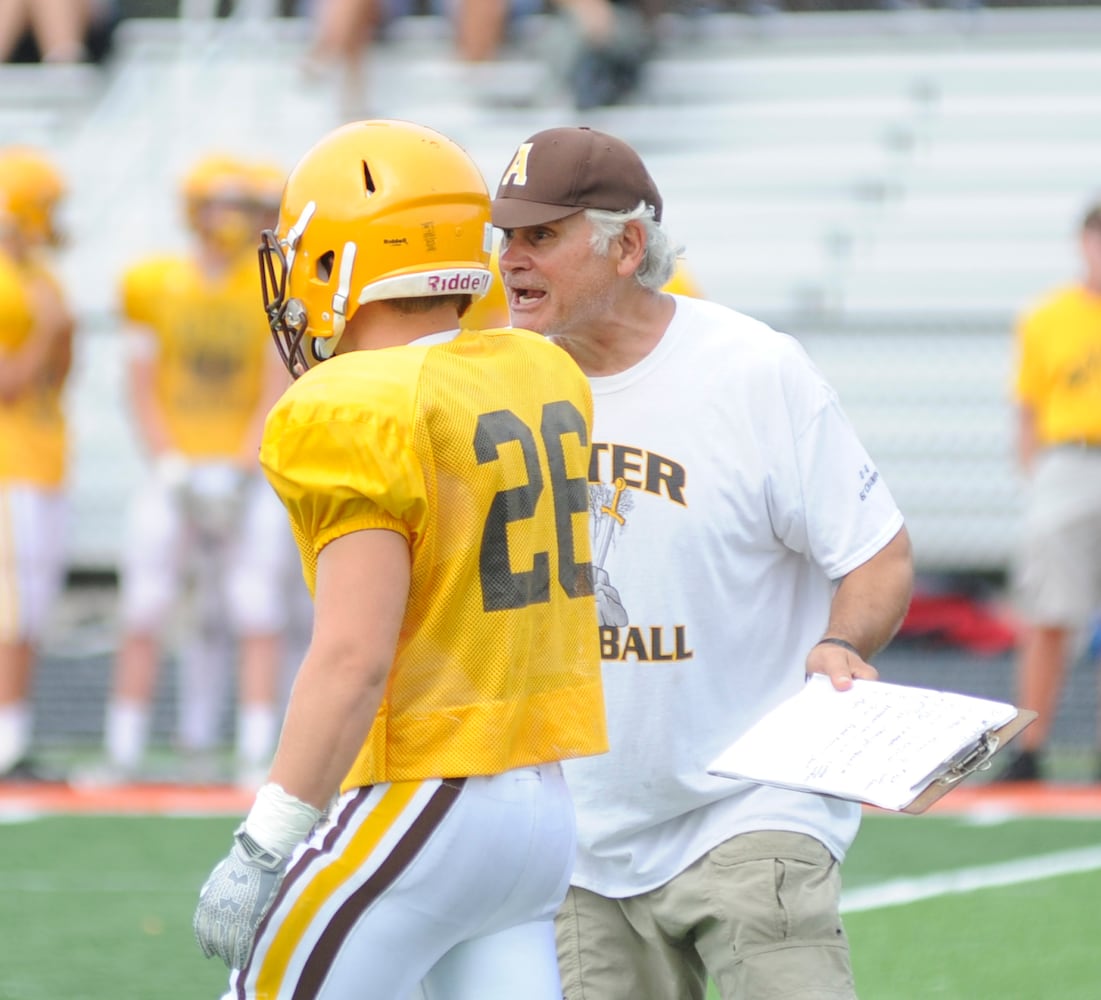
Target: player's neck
[{"x": 376, "y": 325}]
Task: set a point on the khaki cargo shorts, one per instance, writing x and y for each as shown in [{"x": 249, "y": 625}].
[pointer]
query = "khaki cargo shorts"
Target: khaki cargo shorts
[
  {"x": 1057, "y": 574},
  {"x": 759, "y": 914}
]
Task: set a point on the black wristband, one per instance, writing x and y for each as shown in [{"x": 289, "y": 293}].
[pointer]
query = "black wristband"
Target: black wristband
[{"x": 843, "y": 643}]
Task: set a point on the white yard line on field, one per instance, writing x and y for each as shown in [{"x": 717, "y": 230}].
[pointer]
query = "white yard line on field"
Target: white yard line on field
[
  {"x": 896, "y": 892},
  {"x": 899, "y": 892}
]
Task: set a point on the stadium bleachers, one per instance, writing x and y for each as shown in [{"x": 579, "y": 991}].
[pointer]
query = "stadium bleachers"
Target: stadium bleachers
[{"x": 890, "y": 187}]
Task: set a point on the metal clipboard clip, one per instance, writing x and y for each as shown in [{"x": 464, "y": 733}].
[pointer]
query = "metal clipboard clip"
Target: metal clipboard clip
[{"x": 976, "y": 758}]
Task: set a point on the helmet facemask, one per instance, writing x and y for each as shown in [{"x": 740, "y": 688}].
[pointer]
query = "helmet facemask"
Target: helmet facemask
[
  {"x": 287, "y": 330},
  {"x": 287, "y": 315}
]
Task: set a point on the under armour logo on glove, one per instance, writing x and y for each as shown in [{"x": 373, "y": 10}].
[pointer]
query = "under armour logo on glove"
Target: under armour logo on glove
[{"x": 234, "y": 899}]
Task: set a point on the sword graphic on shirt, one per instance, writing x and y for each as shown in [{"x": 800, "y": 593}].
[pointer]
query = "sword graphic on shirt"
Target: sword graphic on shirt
[
  {"x": 610, "y": 507},
  {"x": 611, "y": 519}
]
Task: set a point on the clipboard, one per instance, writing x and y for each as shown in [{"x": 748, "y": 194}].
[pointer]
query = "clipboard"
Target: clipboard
[
  {"x": 895, "y": 747},
  {"x": 976, "y": 758}
]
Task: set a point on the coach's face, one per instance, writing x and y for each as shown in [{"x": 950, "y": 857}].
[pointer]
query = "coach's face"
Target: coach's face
[{"x": 557, "y": 284}]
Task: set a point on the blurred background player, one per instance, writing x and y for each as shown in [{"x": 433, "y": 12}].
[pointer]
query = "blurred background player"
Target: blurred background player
[
  {"x": 1058, "y": 575},
  {"x": 202, "y": 377},
  {"x": 36, "y": 330}
]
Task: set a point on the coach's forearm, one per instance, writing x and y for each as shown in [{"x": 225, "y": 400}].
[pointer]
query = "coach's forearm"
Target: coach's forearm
[{"x": 870, "y": 602}]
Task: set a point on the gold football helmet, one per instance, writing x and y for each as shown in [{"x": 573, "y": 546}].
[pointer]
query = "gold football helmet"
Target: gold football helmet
[
  {"x": 266, "y": 184},
  {"x": 219, "y": 201},
  {"x": 215, "y": 177},
  {"x": 30, "y": 189},
  {"x": 376, "y": 210}
]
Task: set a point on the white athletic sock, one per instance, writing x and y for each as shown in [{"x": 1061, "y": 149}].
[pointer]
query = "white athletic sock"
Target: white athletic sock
[
  {"x": 127, "y": 733},
  {"x": 15, "y": 733},
  {"x": 257, "y": 731},
  {"x": 202, "y": 678}
]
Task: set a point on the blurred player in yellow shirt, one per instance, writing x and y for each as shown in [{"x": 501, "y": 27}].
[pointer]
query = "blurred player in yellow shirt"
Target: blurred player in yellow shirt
[
  {"x": 36, "y": 331},
  {"x": 435, "y": 478},
  {"x": 1057, "y": 571},
  {"x": 202, "y": 377}
]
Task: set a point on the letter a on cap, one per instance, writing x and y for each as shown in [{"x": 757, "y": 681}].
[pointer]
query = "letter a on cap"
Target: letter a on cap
[{"x": 517, "y": 171}]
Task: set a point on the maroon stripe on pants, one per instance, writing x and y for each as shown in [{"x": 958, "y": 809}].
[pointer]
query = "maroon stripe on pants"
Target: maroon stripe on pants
[{"x": 404, "y": 853}]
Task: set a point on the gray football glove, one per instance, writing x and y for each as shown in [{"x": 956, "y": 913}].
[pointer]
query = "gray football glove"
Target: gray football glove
[{"x": 234, "y": 899}]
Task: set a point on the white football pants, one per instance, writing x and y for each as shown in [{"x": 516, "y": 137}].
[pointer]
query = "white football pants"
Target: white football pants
[
  {"x": 32, "y": 558},
  {"x": 450, "y": 884},
  {"x": 256, "y": 561}
]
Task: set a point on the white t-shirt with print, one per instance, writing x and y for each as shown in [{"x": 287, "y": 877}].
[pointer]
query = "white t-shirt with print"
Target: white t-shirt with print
[{"x": 728, "y": 490}]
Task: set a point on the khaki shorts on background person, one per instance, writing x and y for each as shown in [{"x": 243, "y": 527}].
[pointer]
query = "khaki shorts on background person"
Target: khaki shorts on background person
[
  {"x": 761, "y": 910},
  {"x": 1057, "y": 578}
]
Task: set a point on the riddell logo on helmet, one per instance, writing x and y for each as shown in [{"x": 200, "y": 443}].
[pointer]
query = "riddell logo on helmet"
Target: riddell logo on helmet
[
  {"x": 462, "y": 281},
  {"x": 399, "y": 242}
]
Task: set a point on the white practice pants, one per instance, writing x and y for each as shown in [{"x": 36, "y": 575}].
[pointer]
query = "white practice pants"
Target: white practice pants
[{"x": 451, "y": 882}]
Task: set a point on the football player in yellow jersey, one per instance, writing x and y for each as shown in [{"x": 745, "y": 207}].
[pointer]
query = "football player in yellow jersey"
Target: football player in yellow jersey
[
  {"x": 202, "y": 377},
  {"x": 36, "y": 331},
  {"x": 435, "y": 479}
]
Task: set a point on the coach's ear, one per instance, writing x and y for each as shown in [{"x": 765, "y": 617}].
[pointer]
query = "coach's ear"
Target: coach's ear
[{"x": 631, "y": 247}]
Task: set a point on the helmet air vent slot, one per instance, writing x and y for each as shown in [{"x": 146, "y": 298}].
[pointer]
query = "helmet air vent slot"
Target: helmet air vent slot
[{"x": 368, "y": 180}]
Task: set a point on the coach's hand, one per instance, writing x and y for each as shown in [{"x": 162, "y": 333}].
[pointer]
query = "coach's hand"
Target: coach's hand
[
  {"x": 234, "y": 899},
  {"x": 840, "y": 661}
]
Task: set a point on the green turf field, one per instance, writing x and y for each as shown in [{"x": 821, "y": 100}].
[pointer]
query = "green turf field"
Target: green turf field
[{"x": 99, "y": 908}]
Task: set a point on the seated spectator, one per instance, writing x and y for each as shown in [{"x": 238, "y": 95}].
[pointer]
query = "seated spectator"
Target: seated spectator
[
  {"x": 56, "y": 31},
  {"x": 602, "y": 48},
  {"x": 345, "y": 30},
  {"x": 342, "y": 33}
]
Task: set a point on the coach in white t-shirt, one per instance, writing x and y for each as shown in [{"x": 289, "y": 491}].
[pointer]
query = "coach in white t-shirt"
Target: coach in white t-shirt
[{"x": 742, "y": 537}]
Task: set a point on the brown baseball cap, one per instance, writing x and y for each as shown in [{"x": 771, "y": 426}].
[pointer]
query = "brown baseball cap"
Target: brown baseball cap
[{"x": 561, "y": 171}]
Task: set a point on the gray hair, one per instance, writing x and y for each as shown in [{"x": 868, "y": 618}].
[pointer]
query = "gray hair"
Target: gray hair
[{"x": 660, "y": 257}]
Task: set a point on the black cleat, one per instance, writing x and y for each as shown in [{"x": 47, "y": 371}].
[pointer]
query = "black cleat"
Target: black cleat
[
  {"x": 1024, "y": 767},
  {"x": 27, "y": 771}
]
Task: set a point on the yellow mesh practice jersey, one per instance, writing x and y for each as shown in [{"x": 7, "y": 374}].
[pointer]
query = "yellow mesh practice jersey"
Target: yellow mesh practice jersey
[
  {"x": 212, "y": 340},
  {"x": 1059, "y": 366},
  {"x": 33, "y": 439},
  {"x": 476, "y": 450}
]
